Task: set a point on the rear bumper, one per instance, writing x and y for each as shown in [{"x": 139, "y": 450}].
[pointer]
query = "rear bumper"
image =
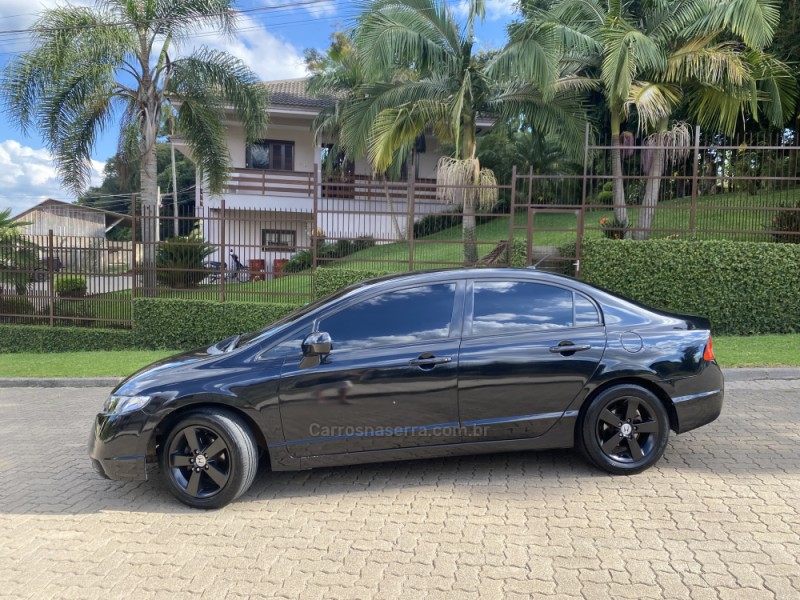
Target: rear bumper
[
  {"x": 698, "y": 400},
  {"x": 116, "y": 447}
]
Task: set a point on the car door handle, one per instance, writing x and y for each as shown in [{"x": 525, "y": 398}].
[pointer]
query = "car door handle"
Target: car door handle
[
  {"x": 429, "y": 361},
  {"x": 564, "y": 348}
]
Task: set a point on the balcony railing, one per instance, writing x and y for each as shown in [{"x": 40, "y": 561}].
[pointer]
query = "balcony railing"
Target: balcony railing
[{"x": 259, "y": 182}]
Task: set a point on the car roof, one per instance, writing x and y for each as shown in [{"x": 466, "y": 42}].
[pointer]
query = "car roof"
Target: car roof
[{"x": 395, "y": 279}]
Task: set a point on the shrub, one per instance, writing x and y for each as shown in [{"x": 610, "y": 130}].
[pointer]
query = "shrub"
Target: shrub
[
  {"x": 329, "y": 281},
  {"x": 613, "y": 229},
  {"x": 12, "y": 309},
  {"x": 787, "y": 220},
  {"x": 41, "y": 339},
  {"x": 185, "y": 324},
  {"x": 430, "y": 224},
  {"x": 79, "y": 312},
  {"x": 743, "y": 287},
  {"x": 606, "y": 195},
  {"x": 302, "y": 261},
  {"x": 179, "y": 261},
  {"x": 71, "y": 286}
]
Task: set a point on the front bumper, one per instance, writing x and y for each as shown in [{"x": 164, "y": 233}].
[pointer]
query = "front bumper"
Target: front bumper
[
  {"x": 698, "y": 400},
  {"x": 118, "y": 446}
]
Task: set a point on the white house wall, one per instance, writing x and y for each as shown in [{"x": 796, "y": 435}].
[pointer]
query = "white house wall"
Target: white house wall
[{"x": 281, "y": 129}]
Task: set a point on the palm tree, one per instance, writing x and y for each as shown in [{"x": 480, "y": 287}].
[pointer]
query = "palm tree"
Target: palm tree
[
  {"x": 422, "y": 72},
  {"x": 90, "y": 66},
  {"x": 652, "y": 56}
]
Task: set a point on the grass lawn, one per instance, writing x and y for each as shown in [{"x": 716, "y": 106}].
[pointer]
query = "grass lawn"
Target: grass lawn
[
  {"x": 756, "y": 351},
  {"x": 78, "y": 364}
]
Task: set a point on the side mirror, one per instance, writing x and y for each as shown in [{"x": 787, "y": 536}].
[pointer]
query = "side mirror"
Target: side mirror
[{"x": 317, "y": 344}]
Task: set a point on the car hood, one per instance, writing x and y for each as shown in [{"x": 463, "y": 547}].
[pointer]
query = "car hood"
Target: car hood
[{"x": 161, "y": 375}]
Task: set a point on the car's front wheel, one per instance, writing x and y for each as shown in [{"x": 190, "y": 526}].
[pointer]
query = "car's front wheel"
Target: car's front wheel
[
  {"x": 209, "y": 458},
  {"x": 624, "y": 430}
]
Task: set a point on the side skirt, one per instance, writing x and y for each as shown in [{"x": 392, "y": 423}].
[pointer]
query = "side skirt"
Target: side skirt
[{"x": 561, "y": 435}]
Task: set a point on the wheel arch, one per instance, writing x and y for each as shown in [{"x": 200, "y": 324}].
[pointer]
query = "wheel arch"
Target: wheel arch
[
  {"x": 647, "y": 384},
  {"x": 169, "y": 420}
]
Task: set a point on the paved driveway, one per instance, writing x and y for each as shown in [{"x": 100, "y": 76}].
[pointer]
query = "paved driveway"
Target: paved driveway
[{"x": 718, "y": 518}]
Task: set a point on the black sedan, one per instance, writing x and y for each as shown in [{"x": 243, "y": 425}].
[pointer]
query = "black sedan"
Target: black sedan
[{"x": 415, "y": 366}]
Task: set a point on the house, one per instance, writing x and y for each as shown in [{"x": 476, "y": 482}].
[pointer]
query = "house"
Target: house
[
  {"x": 65, "y": 219},
  {"x": 79, "y": 234},
  {"x": 277, "y": 186}
]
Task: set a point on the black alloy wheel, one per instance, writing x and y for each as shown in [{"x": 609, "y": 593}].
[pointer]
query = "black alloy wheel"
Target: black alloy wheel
[
  {"x": 624, "y": 430},
  {"x": 209, "y": 459}
]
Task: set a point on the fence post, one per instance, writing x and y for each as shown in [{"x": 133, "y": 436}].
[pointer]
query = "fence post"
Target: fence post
[
  {"x": 50, "y": 277},
  {"x": 134, "y": 262},
  {"x": 695, "y": 173},
  {"x": 314, "y": 229},
  {"x": 513, "y": 214},
  {"x": 529, "y": 223},
  {"x": 223, "y": 274},
  {"x": 410, "y": 217},
  {"x": 582, "y": 212}
]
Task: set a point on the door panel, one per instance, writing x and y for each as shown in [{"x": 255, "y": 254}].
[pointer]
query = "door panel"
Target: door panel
[
  {"x": 371, "y": 399},
  {"x": 514, "y": 387},
  {"x": 515, "y": 380},
  {"x": 390, "y": 380}
]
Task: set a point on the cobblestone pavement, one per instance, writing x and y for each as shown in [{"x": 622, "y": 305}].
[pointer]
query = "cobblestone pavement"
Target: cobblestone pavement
[{"x": 719, "y": 517}]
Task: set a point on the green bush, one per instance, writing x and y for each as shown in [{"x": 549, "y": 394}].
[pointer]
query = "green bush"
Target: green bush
[
  {"x": 80, "y": 312},
  {"x": 329, "y": 281},
  {"x": 180, "y": 261},
  {"x": 606, "y": 194},
  {"x": 743, "y": 287},
  {"x": 71, "y": 286},
  {"x": 43, "y": 339},
  {"x": 787, "y": 221},
  {"x": 12, "y": 309},
  {"x": 185, "y": 324},
  {"x": 302, "y": 261}
]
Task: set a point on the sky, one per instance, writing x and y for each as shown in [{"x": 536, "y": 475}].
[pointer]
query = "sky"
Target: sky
[{"x": 270, "y": 42}]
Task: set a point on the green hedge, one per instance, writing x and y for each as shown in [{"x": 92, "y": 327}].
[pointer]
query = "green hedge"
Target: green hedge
[
  {"x": 743, "y": 287},
  {"x": 185, "y": 324},
  {"x": 37, "y": 338},
  {"x": 330, "y": 280}
]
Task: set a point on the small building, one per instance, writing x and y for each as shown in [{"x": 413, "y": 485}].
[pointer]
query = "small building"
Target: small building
[
  {"x": 73, "y": 220},
  {"x": 79, "y": 233}
]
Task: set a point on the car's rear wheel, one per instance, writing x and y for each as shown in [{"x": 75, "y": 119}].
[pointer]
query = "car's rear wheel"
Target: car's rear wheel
[
  {"x": 209, "y": 459},
  {"x": 624, "y": 430}
]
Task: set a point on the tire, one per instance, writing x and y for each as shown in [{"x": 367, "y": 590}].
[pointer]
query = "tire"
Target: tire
[
  {"x": 228, "y": 464},
  {"x": 635, "y": 419},
  {"x": 243, "y": 276},
  {"x": 39, "y": 276}
]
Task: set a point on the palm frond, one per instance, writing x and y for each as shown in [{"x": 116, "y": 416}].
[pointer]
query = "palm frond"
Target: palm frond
[
  {"x": 715, "y": 64},
  {"x": 182, "y": 19},
  {"x": 654, "y": 102},
  {"x": 209, "y": 72},
  {"x": 394, "y": 33},
  {"x": 754, "y": 21}
]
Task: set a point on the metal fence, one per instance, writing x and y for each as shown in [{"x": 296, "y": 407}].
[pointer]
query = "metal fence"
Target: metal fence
[{"x": 233, "y": 251}]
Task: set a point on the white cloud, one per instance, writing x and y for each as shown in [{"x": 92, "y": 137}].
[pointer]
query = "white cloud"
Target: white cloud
[
  {"x": 28, "y": 176},
  {"x": 495, "y": 9},
  {"x": 265, "y": 53}
]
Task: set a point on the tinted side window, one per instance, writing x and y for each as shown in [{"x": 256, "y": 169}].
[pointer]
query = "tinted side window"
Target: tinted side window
[
  {"x": 402, "y": 317},
  {"x": 509, "y": 306},
  {"x": 585, "y": 312}
]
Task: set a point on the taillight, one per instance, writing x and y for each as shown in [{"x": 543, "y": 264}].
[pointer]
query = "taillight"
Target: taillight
[{"x": 709, "y": 353}]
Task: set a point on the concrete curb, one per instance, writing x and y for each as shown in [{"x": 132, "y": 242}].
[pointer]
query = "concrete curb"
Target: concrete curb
[
  {"x": 743, "y": 374},
  {"x": 60, "y": 382}
]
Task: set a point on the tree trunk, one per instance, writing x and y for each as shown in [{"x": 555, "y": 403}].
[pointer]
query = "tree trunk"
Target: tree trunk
[
  {"x": 149, "y": 184},
  {"x": 390, "y": 205},
  {"x": 620, "y": 208},
  {"x": 651, "y": 189},
  {"x": 175, "y": 216},
  {"x": 468, "y": 225}
]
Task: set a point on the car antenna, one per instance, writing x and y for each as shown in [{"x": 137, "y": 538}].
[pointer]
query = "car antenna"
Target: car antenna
[{"x": 540, "y": 261}]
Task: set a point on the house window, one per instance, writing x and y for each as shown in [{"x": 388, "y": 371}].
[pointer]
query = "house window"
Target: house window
[
  {"x": 271, "y": 155},
  {"x": 278, "y": 239}
]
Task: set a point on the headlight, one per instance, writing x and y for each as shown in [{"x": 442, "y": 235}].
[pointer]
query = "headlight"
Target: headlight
[{"x": 121, "y": 404}]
